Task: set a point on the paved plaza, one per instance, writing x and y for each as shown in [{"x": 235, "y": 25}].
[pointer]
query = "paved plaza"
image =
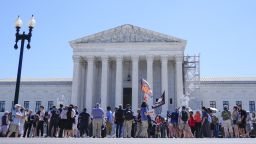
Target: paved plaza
[{"x": 125, "y": 141}]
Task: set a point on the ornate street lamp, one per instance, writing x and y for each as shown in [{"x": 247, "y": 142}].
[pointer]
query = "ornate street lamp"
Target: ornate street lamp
[{"x": 22, "y": 37}]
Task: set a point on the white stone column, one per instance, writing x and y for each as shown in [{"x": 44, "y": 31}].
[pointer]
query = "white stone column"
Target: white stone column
[
  {"x": 89, "y": 83},
  {"x": 82, "y": 95},
  {"x": 150, "y": 59},
  {"x": 119, "y": 80},
  {"x": 104, "y": 82},
  {"x": 179, "y": 79},
  {"x": 135, "y": 79},
  {"x": 164, "y": 79},
  {"x": 76, "y": 91}
]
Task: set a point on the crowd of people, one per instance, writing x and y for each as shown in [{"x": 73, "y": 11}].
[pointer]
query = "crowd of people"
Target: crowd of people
[{"x": 69, "y": 121}]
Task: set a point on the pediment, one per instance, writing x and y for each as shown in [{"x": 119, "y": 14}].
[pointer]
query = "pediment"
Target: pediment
[{"x": 126, "y": 34}]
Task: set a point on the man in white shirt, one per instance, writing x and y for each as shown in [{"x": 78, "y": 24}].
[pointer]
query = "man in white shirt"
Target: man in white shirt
[{"x": 16, "y": 118}]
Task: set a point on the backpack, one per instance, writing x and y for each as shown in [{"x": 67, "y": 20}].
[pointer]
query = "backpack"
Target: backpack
[
  {"x": 128, "y": 115},
  {"x": 184, "y": 116},
  {"x": 225, "y": 115}
]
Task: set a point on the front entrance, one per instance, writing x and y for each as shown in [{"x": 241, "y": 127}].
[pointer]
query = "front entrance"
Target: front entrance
[{"x": 127, "y": 96}]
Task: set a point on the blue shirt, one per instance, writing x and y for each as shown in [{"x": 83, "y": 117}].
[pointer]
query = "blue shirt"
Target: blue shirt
[
  {"x": 143, "y": 110},
  {"x": 109, "y": 116},
  {"x": 174, "y": 117},
  {"x": 97, "y": 113}
]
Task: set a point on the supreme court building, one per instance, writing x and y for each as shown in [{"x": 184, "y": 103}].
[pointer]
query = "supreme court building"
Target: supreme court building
[{"x": 109, "y": 65}]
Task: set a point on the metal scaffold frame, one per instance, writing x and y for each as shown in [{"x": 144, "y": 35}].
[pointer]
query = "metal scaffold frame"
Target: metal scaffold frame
[{"x": 191, "y": 80}]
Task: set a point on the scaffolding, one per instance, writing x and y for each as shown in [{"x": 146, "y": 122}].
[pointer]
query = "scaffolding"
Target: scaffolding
[{"x": 191, "y": 80}]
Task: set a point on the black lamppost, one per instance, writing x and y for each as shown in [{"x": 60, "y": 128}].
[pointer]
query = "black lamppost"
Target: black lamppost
[{"x": 22, "y": 37}]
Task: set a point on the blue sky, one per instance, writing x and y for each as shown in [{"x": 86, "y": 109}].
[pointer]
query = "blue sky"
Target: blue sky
[{"x": 223, "y": 32}]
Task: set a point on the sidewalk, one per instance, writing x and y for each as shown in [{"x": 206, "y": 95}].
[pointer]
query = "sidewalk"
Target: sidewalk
[{"x": 126, "y": 141}]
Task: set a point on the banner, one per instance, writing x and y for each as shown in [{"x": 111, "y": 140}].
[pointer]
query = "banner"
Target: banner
[
  {"x": 145, "y": 88},
  {"x": 160, "y": 101}
]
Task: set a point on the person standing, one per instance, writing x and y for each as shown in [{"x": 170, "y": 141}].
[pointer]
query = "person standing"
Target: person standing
[
  {"x": 119, "y": 120},
  {"x": 109, "y": 121},
  {"x": 198, "y": 124},
  {"x": 235, "y": 116},
  {"x": 28, "y": 123},
  {"x": 215, "y": 125},
  {"x": 144, "y": 119},
  {"x": 46, "y": 122},
  {"x": 128, "y": 116},
  {"x": 83, "y": 123},
  {"x": 248, "y": 125},
  {"x": 174, "y": 123},
  {"x": 54, "y": 120},
  {"x": 139, "y": 125},
  {"x": 5, "y": 123},
  {"x": 97, "y": 122},
  {"x": 191, "y": 122},
  {"x": 15, "y": 121},
  {"x": 75, "y": 123},
  {"x": 63, "y": 119},
  {"x": 242, "y": 121},
  {"x": 69, "y": 122},
  {"x": 226, "y": 116},
  {"x": 253, "y": 120},
  {"x": 35, "y": 124},
  {"x": 183, "y": 123},
  {"x": 205, "y": 123},
  {"x": 40, "y": 126},
  {"x": 22, "y": 121}
]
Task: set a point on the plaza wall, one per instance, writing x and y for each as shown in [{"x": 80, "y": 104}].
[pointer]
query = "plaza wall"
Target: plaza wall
[{"x": 212, "y": 90}]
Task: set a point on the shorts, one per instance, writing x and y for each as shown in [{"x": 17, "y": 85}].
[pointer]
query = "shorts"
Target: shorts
[
  {"x": 184, "y": 126},
  {"x": 14, "y": 128}
]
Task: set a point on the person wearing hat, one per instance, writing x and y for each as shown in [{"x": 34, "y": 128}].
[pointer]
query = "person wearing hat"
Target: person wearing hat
[
  {"x": 16, "y": 118},
  {"x": 5, "y": 123}
]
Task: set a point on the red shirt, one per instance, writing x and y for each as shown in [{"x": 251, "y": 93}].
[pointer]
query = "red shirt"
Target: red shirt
[{"x": 191, "y": 121}]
